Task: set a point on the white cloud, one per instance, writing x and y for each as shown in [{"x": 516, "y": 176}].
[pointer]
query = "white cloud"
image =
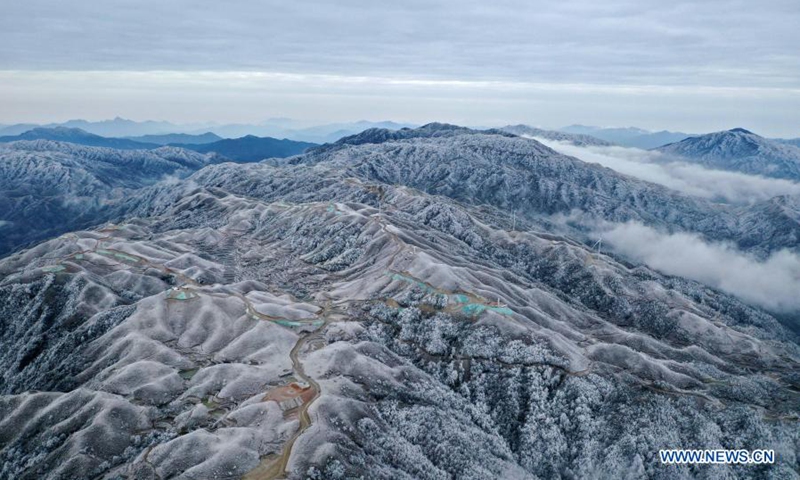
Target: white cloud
[
  {"x": 677, "y": 66},
  {"x": 193, "y": 97},
  {"x": 690, "y": 179},
  {"x": 616, "y": 41},
  {"x": 772, "y": 283}
]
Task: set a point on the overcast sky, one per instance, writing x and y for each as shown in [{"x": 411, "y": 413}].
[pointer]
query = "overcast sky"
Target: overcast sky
[{"x": 684, "y": 65}]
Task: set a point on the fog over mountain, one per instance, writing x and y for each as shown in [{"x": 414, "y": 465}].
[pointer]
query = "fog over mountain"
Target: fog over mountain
[
  {"x": 577, "y": 139},
  {"x": 681, "y": 174},
  {"x": 771, "y": 283}
]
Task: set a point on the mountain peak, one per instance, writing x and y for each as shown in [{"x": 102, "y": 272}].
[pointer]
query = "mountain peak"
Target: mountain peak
[
  {"x": 380, "y": 135},
  {"x": 741, "y": 130},
  {"x": 739, "y": 150}
]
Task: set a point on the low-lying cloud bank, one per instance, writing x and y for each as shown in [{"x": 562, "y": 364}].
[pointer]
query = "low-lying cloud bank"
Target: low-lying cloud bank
[
  {"x": 773, "y": 283},
  {"x": 731, "y": 187}
]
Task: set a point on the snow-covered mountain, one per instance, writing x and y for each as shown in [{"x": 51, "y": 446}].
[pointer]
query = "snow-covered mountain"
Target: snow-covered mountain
[
  {"x": 739, "y": 150},
  {"x": 47, "y": 188},
  {"x": 78, "y": 136},
  {"x": 511, "y": 173},
  {"x": 251, "y": 148},
  {"x": 420, "y": 303},
  {"x": 790, "y": 141},
  {"x": 245, "y": 149}
]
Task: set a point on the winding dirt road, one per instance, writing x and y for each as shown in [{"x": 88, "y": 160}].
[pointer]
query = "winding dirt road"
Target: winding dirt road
[{"x": 273, "y": 466}]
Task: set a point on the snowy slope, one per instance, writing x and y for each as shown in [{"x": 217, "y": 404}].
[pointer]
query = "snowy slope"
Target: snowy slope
[
  {"x": 78, "y": 136},
  {"x": 47, "y": 188},
  {"x": 739, "y": 150},
  {"x": 377, "y": 308},
  {"x": 578, "y": 139}
]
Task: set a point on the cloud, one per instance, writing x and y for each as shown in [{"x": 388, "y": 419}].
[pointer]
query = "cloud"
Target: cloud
[
  {"x": 616, "y": 41},
  {"x": 772, "y": 283},
  {"x": 676, "y": 66},
  {"x": 193, "y": 97},
  {"x": 731, "y": 187}
]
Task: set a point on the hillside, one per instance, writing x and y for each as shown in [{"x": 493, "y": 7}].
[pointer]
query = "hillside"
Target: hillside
[
  {"x": 251, "y": 148},
  {"x": 48, "y": 188},
  {"x": 739, "y": 150},
  {"x": 78, "y": 136},
  {"x": 579, "y": 139}
]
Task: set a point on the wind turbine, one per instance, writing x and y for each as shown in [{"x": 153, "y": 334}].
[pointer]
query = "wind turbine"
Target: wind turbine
[{"x": 598, "y": 244}]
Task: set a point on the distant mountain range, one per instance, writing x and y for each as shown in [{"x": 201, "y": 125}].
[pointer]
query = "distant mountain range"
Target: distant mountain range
[
  {"x": 739, "y": 150},
  {"x": 166, "y": 133},
  {"x": 117, "y": 127},
  {"x": 150, "y": 131},
  {"x": 628, "y": 137},
  {"x": 178, "y": 138},
  {"x": 315, "y": 134},
  {"x": 245, "y": 149},
  {"x": 78, "y": 136},
  {"x": 252, "y": 148}
]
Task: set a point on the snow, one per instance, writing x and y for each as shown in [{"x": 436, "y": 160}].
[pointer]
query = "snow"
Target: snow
[{"x": 598, "y": 363}]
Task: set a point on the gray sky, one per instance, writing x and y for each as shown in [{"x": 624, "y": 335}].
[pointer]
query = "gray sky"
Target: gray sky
[{"x": 683, "y": 65}]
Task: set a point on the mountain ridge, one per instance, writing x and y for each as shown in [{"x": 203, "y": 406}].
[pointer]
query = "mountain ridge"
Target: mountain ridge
[
  {"x": 48, "y": 188},
  {"x": 578, "y": 139},
  {"x": 628, "y": 136},
  {"x": 178, "y": 138},
  {"x": 251, "y": 148},
  {"x": 739, "y": 150},
  {"x": 79, "y": 136},
  {"x": 277, "y": 128}
]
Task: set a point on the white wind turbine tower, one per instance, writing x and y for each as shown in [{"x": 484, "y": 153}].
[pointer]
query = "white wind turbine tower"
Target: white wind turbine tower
[{"x": 598, "y": 244}]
